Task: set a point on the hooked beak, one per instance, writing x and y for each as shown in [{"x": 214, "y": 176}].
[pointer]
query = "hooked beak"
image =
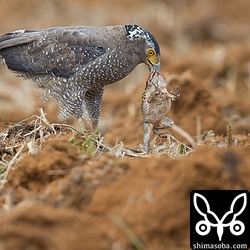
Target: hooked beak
[{"x": 153, "y": 66}]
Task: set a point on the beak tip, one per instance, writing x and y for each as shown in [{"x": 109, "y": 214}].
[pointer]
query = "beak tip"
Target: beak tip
[
  {"x": 153, "y": 66},
  {"x": 157, "y": 67}
]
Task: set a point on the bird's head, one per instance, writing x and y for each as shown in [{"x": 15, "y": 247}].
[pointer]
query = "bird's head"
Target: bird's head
[{"x": 151, "y": 49}]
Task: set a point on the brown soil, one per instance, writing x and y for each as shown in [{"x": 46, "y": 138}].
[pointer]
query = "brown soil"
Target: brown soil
[{"x": 58, "y": 196}]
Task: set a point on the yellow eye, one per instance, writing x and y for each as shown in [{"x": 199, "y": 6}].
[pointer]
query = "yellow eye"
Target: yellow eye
[{"x": 150, "y": 52}]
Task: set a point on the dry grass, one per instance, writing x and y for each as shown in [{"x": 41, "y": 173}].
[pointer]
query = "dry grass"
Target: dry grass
[{"x": 28, "y": 137}]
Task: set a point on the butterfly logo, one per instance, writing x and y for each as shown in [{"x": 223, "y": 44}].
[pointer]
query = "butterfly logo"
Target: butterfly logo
[{"x": 203, "y": 227}]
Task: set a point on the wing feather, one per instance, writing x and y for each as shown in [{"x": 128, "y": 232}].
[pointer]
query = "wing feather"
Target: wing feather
[{"x": 58, "y": 51}]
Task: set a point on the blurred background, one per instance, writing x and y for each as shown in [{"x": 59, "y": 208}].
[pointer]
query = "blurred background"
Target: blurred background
[
  {"x": 205, "y": 49},
  {"x": 204, "y": 43}
]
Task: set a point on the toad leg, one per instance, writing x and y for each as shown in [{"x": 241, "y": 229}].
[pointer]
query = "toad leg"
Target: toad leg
[{"x": 148, "y": 127}]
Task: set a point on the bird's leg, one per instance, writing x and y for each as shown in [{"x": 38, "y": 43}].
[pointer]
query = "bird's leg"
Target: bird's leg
[
  {"x": 93, "y": 100},
  {"x": 84, "y": 119},
  {"x": 147, "y": 127},
  {"x": 81, "y": 124}
]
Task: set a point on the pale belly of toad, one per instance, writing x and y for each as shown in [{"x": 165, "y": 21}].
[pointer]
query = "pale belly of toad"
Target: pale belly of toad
[
  {"x": 158, "y": 109},
  {"x": 155, "y": 105},
  {"x": 155, "y": 101}
]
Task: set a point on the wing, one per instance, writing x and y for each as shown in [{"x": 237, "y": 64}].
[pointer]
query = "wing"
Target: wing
[{"x": 58, "y": 51}]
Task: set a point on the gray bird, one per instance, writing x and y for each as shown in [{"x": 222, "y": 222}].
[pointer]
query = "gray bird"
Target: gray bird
[{"x": 73, "y": 64}]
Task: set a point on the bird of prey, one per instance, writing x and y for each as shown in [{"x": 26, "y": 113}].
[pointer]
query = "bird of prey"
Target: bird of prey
[{"x": 73, "y": 64}]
